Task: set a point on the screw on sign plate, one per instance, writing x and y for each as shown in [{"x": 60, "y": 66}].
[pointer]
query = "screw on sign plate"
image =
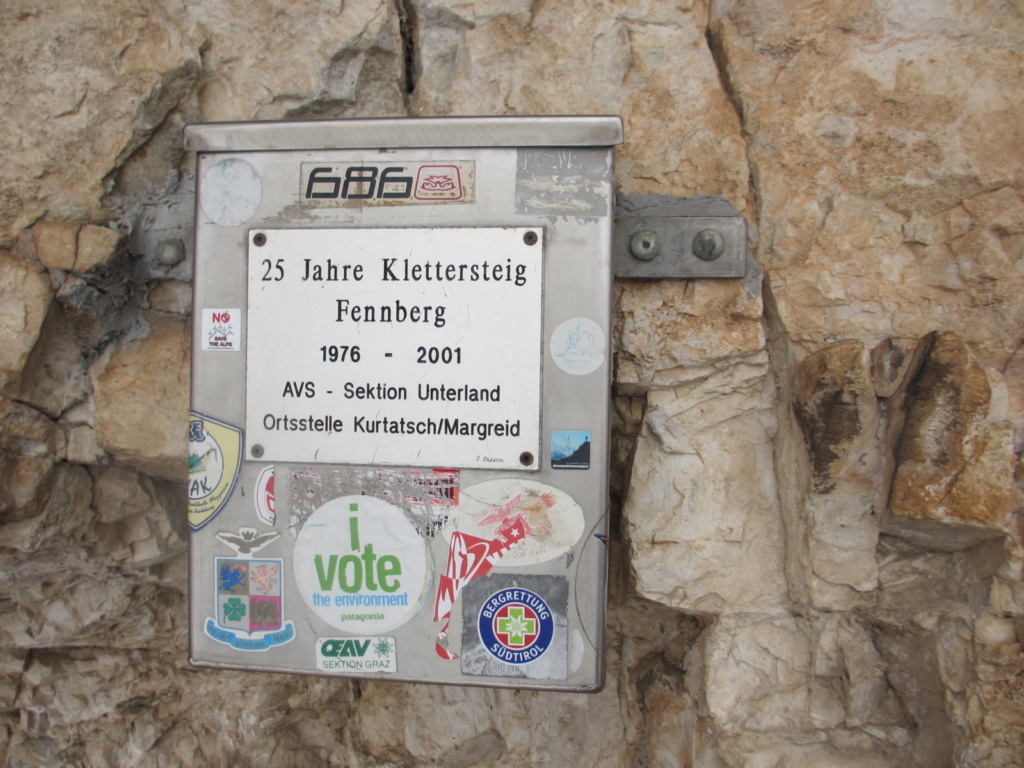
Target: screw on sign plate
[
  {"x": 259, "y": 239},
  {"x": 645, "y": 245},
  {"x": 526, "y": 458},
  {"x": 256, "y": 451},
  {"x": 530, "y": 238}
]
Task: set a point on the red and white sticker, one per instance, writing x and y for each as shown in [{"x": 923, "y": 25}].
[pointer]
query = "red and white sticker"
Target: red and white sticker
[
  {"x": 222, "y": 330},
  {"x": 264, "y": 495}
]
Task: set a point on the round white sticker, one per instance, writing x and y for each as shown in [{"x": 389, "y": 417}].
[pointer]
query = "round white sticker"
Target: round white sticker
[
  {"x": 578, "y": 346},
  {"x": 551, "y": 518},
  {"x": 360, "y": 565},
  {"x": 231, "y": 192}
]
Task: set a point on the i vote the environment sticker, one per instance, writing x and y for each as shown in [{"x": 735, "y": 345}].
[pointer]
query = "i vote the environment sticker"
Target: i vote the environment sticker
[{"x": 360, "y": 565}]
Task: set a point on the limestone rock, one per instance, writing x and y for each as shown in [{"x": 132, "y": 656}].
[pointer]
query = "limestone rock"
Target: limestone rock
[
  {"x": 705, "y": 542},
  {"x": 56, "y": 243},
  {"x": 671, "y": 332},
  {"x": 54, "y": 377},
  {"x": 834, "y": 402},
  {"x": 141, "y": 396},
  {"x": 952, "y": 466},
  {"x": 346, "y": 62},
  {"x": 25, "y": 297},
  {"x": 63, "y": 509},
  {"x": 83, "y": 447},
  {"x": 30, "y": 446},
  {"x": 150, "y": 514},
  {"x": 597, "y": 59},
  {"x": 115, "y": 73},
  {"x": 96, "y": 247},
  {"x": 171, "y": 296},
  {"x": 882, "y": 132}
]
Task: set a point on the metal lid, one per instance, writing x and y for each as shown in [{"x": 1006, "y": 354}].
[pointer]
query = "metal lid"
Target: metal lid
[{"x": 417, "y": 132}]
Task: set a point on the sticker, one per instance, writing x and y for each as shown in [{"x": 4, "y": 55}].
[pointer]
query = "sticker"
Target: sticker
[
  {"x": 248, "y": 595},
  {"x": 577, "y": 649},
  {"x": 395, "y": 182},
  {"x": 562, "y": 182},
  {"x": 248, "y": 541},
  {"x": 221, "y": 330},
  {"x": 231, "y": 192},
  {"x": 264, "y": 496},
  {"x": 361, "y": 565},
  {"x": 214, "y": 461},
  {"x": 552, "y": 519},
  {"x": 439, "y": 182},
  {"x": 570, "y": 450},
  {"x": 428, "y": 497},
  {"x": 469, "y": 558},
  {"x": 338, "y": 655},
  {"x": 516, "y": 626},
  {"x": 578, "y": 346}
]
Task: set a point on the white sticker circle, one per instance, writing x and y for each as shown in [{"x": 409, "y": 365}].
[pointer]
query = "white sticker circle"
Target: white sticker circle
[
  {"x": 360, "y": 565},
  {"x": 552, "y": 519},
  {"x": 231, "y": 192},
  {"x": 578, "y": 346}
]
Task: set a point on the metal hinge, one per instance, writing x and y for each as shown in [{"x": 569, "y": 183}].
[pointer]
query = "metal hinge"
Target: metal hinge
[{"x": 657, "y": 237}]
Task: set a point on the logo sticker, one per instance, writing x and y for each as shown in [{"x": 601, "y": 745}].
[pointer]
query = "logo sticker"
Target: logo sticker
[
  {"x": 551, "y": 519},
  {"x": 264, "y": 496},
  {"x": 248, "y": 596},
  {"x": 570, "y": 450},
  {"x": 515, "y": 626},
  {"x": 396, "y": 182},
  {"x": 578, "y": 346},
  {"x": 221, "y": 330},
  {"x": 359, "y": 562},
  {"x": 439, "y": 182},
  {"x": 338, "y": 655},
  {"x": 214, "y": 461}
]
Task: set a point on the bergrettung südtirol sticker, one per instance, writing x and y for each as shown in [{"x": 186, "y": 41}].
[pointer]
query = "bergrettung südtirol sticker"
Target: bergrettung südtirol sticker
[{"x": 360, "y": 565}]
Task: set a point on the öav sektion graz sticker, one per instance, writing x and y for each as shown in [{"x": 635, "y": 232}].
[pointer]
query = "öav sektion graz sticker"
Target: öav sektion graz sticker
[
  {"x": 214, "y": 461},
  {"x": 578, "y": 346},
  {"x": 553, "y": 521},
  {"x": 361, "y": 565},
  {"x": 356, "y": 655}
]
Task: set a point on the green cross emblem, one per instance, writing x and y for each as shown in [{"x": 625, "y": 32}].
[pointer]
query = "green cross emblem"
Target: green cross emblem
[{"x": 517, "y": 626}]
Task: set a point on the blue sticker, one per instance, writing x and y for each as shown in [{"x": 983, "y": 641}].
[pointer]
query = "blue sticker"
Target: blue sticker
[
  {"x": 515, "y": 626},
  {"x": 570, "y": 450}
]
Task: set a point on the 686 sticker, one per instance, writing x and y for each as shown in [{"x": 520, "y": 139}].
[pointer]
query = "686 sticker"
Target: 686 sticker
[{"x": 397, "y": 182}]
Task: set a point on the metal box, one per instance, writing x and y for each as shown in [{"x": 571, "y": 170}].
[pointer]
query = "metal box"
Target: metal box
[{"x": 398, "y": 438}]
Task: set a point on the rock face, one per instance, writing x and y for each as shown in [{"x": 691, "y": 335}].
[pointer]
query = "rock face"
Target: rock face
[{"x": 818, "y": 557}]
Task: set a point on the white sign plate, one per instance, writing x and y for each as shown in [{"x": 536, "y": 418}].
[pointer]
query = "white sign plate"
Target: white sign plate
[{"x": 414, "y": 347}]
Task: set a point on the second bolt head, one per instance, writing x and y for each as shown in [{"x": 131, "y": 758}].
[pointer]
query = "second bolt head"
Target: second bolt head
[{"x": 708, "y": 244}]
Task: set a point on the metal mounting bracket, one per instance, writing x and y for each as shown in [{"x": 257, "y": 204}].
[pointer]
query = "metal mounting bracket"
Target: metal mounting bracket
[{"x": 659, "y": 237}]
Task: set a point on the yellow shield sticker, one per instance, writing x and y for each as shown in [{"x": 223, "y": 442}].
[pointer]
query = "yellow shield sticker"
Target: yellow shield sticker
[{"x": 214, "y": 462}]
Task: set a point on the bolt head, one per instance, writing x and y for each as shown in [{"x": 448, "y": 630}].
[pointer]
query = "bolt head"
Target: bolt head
[
  {"x": 708, "y": 244},
  {"x": 170, "y": 252},
  {"x": 645, "y": 245}
]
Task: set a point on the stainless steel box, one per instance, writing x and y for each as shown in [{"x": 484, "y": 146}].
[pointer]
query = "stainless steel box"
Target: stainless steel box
[{"x": 398, "y": 444}]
